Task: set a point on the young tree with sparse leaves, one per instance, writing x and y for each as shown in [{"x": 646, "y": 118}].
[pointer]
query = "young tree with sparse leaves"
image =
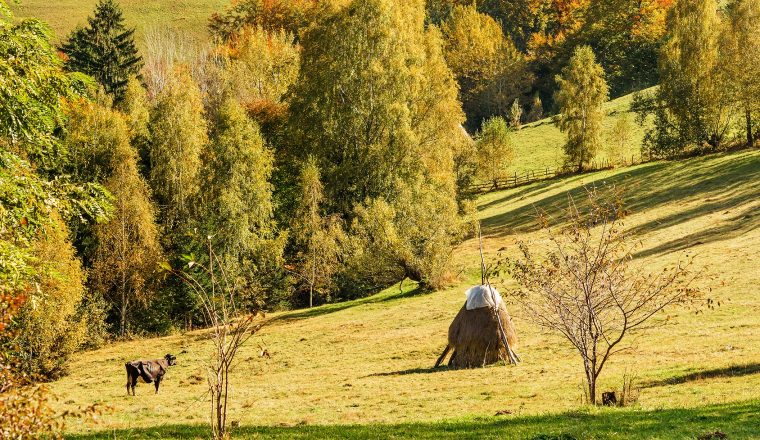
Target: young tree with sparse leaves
[
  {"x": 589, "y": 289},
  {"x": 105, "y": 49},
  {"x": 582, "y": 92},
  {"x": 230, "y": 323}
]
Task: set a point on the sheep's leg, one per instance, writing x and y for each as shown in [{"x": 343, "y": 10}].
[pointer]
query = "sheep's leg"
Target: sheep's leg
[{"x": 158, "y": 381}]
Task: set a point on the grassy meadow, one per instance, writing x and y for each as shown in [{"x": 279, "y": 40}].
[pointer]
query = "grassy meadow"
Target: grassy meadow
[
  {"x": 538, "y": 145},
  {"x": 362, "y": 369},
  {"x": 186, "y": 17}
]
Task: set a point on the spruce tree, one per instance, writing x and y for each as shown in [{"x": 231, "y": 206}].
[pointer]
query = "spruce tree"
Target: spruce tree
[
  {"x": 582, "y": 92},
  {"x": 104, "y": 49}
]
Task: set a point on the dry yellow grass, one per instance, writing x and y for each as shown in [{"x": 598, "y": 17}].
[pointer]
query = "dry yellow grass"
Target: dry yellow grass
[
  {"x": 187, "y": 17},
  {"x": 369, "y": 361}
]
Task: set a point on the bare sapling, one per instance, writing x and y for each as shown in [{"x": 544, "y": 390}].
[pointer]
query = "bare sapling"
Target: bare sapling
[
  {"x": 230, "y": 327},
  {"x": 589, "y": 288}
]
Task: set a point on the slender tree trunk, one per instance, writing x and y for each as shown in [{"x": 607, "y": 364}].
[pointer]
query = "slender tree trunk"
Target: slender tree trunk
[
  {"x": 591, "y": 384},
  {"x": 123, "y": 317},
  {"x": 750, "y": 138}
]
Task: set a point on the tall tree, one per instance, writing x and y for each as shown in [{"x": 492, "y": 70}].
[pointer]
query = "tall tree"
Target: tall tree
[
  {"x": 380, "y": 127},
  {"x": 495, "y": 150},
  {"x": 317, "y": 237},
  {"x": 691, "y": 106},
  {"x": 31, "y": 154},
  {"x": 740, "y": 58},
  {"x": 104, "y": 49},
  {"x": 32, "y": 199},
  {"x": 178, "y": 137},
  {"x": 125, "y": 250},
  {"x": 237, "y": 198},
  {"x": 582, "y": 92}
]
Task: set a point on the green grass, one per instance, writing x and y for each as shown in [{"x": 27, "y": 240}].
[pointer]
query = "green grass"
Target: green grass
[
  {"x": 187, "y": 17},
  {"x": 539, "y": 145},
  {"x": 736, "y": 420},
  {"x": 362, "y": 369}
]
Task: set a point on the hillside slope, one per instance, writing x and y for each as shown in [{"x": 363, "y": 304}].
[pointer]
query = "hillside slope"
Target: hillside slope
[
  {"x": 188, "y": 17},
  {"x": 368, "y": 361},
  {"x": 539, "y": 145}
]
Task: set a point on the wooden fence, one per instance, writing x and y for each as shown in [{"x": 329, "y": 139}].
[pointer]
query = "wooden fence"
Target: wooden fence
[{"x": 537, "y": 175}]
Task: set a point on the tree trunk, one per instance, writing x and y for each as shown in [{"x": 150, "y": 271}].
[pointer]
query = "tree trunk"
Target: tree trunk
[
  {"x": 591, "y": 388},
  {"x": 750, "y": 138},
  {"x": 123, "y": 317}
]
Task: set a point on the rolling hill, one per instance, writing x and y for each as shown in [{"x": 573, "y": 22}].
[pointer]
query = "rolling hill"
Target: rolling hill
[{"x": 362, "y": 369}]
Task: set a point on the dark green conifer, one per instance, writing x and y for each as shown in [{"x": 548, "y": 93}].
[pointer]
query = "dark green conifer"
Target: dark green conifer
[{"x": 104, "y": 49}]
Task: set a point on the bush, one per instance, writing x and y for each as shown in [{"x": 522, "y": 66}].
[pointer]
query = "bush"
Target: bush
[{"x": 49, "y": 327}]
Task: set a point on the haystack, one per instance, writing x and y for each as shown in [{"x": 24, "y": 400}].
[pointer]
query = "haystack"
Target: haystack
[{"x": 482, "y": 332}]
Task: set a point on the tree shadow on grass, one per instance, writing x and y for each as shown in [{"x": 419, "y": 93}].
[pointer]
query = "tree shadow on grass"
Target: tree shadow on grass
[
  {"x": 734, "y": 227},
  {"x": 737, "y": 420},
  {"x": 409, "y": 289},
  {"x": 411, "y": 371},
  {"x": 732, "y": 371},
  {"x": 722, "y": 181}
]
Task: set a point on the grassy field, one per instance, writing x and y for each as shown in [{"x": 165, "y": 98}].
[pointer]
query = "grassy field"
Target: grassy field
[
  {"x": 539, "y": 145},
  {"x": 362, "y": 369},
  {"x": 188, "y": 17}
]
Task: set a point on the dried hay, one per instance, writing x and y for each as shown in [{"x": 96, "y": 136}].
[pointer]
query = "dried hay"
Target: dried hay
[{"x": 475, "y": 338}]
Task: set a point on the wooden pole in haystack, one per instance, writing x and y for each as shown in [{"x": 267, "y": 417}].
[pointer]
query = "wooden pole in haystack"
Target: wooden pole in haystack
[{"x": 484, "y": 281}]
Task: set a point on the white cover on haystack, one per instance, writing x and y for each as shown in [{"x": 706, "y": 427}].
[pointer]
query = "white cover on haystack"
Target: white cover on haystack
[{"x": 482, "y": 296}]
